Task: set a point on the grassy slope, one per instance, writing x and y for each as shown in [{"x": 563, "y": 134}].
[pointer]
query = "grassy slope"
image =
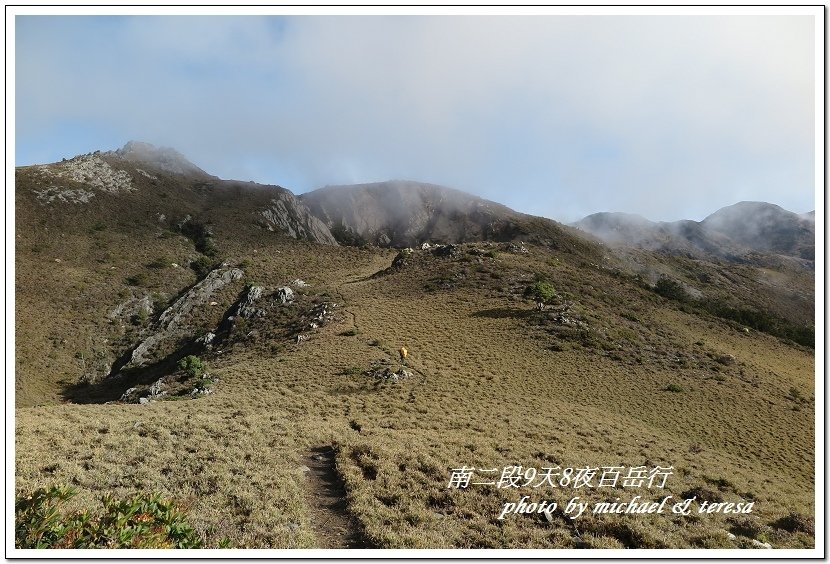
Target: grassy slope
[{"x": 494, "y": 386}]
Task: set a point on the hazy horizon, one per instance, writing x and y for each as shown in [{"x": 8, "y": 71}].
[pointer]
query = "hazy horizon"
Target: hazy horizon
[{"x": 668, "y": 117}]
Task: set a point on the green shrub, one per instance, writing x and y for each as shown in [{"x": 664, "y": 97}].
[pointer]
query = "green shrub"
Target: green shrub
[
  {"x": 762, "y": 321},
  {"x": 140, "y": 521},
  {"x": 671, "y": 289},
  {"x": 207, "y": 246},
  {"x": 141, "y": 317},
  {"x": 193, "y": 365},
  {"x": 201, "y": 266},
  {"x": 541, "y": 290},
  {"x": 674, "y": 388}
]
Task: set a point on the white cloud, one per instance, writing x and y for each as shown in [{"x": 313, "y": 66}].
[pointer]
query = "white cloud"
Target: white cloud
[{"x": 562, "y": 116}]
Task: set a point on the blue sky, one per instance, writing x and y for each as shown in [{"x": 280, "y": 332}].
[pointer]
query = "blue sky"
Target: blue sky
[{"x": 669, "y": 117}]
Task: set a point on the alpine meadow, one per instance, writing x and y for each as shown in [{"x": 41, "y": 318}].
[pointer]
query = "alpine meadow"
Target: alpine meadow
[{"x": 401, "y": 365}]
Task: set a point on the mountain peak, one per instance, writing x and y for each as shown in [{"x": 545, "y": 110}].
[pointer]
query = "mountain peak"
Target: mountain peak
[
  {"x": 162, "y": 158},
  {"x": 405, "y": 213}
]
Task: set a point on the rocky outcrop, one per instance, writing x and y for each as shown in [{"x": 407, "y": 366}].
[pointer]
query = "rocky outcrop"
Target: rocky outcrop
[
  {"x": 288, "y": 214},
  {"x": 284, "y": 295},
  {"x": 64, "y": 195},
  {"x": 247, "y": 303},
  {"x": 93, "y": 172},
  {"x": 171, "y": 322}
]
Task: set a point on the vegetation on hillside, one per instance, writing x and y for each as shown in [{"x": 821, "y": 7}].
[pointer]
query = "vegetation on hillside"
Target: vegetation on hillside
[
  {"x": 140, "y": 521},
  {"x": 620, "y": 369}
]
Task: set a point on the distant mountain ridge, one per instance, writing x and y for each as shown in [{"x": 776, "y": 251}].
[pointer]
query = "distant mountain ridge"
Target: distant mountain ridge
[
  {"x": 731, "y": 232},
  {"x": 405, "y": 213},
  {"x": 152, "y": 185},
  {"x": 398, "y": 213}
]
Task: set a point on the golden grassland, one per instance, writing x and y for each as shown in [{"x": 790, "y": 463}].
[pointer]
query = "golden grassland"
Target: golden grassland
[{"x": 494, "y": 383}]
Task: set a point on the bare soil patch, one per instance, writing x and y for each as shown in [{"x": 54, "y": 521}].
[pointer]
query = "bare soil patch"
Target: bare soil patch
[{"x": 334, "y": 525}]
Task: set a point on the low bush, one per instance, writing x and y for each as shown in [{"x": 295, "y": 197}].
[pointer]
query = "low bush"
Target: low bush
[
  {"x": 201, "y": 266},
  {"x": 193, "y": 365},
  {"x": 140, "y": 521},
  {"x": 671, "y": 289}
]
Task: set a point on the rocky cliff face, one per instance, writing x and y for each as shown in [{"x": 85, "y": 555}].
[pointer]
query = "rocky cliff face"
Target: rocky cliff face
[{"x": 288, "y": 214}]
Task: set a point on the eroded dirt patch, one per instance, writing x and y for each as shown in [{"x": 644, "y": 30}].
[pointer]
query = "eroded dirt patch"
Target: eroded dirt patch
[{"x": 334, "y": 525}]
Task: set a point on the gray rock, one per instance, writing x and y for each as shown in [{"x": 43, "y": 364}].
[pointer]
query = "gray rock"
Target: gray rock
[
  {"x": 207, "y": 338},
  {"x": 155, "y": 389},
  {"x": 288, "y": 214},
  {"x": 758, "y": 544},
  {"x": 284, "y": 295},
  {"x": 143, "y": 401},
  {"x": 171, "y": 323},
  {"x": 246, "y": 303},
  {"x": 726, "y": 359}
]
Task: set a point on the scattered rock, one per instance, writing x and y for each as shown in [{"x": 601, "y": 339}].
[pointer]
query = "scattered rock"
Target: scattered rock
[
  {"x": 246, "y": 302},
  {"x": 197, "y": 391},
  {"x": 127, "y": 396},
  {"x": 143, "y": 401},
  {"x": 758, "y": 544},
  {"x": 207, "y": 338},
  {"x": 303, "y": 469},
  {"x": 517, "y": 248},
  {"x": 155, "y": 389},
  {"x": 151, "y": 177},
  {"x": 92, "y": 171},
  {"x": 386, "y": 373},
  {"x": 65, "y": 195},
  {"x": 726, "y": 359},
  {"x": 300, "y": 283},
  {"x": 285, "y": 295},
  {"x": 446, "y": 251}
]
